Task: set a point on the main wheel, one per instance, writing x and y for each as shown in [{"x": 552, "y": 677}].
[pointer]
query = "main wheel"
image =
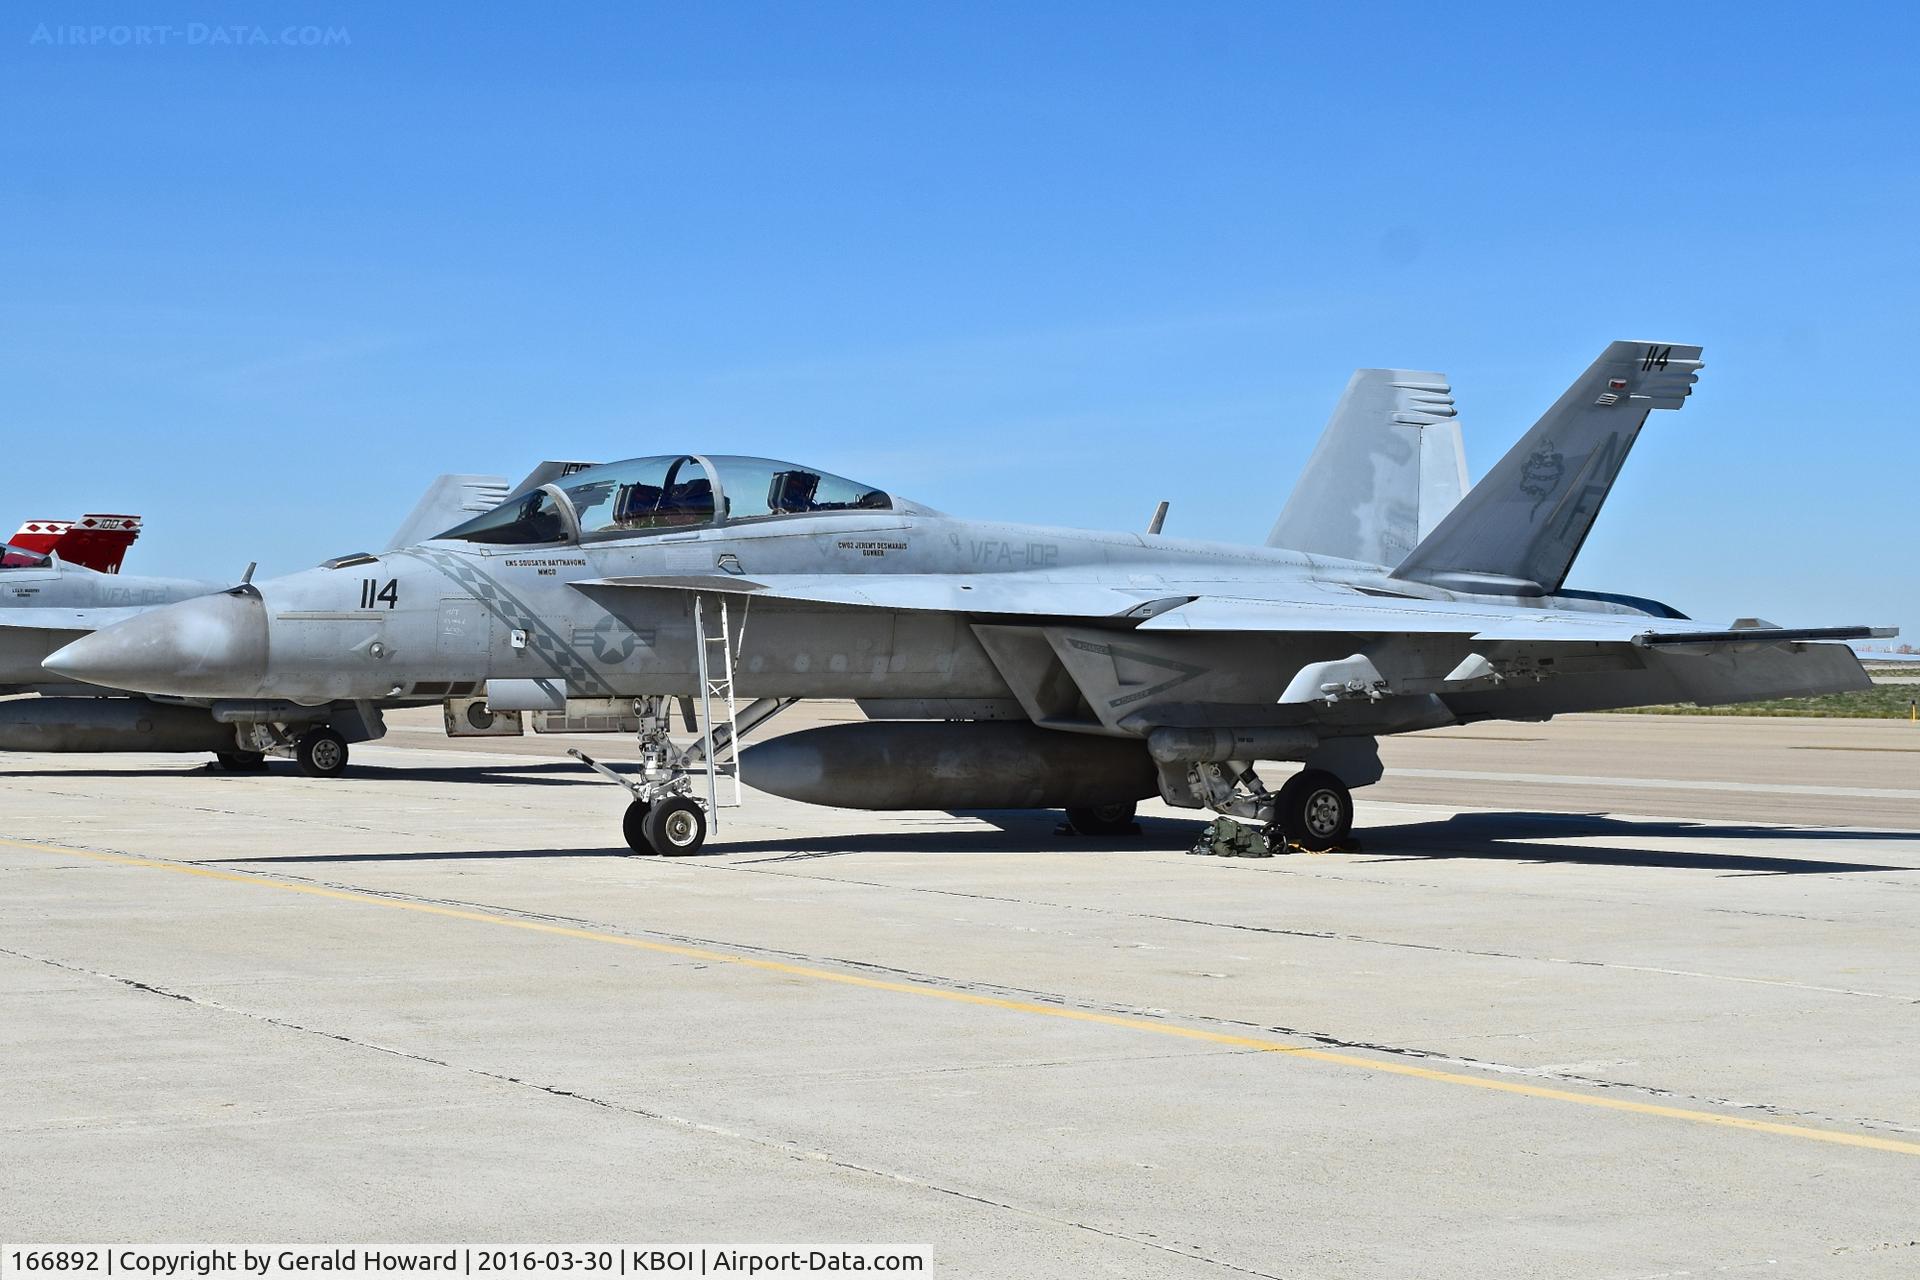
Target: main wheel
[
  {"x": 634, "y": 827},
  {"x": 322, "y": 753},
  {"x": 242, "y": 761},
  {"x": 1315, "y": 810},
  {"x": 675, "y": 827},
  {"x": 1104, "y": 820}
]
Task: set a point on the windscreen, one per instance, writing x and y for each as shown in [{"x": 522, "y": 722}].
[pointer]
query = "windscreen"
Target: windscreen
[
  {"x": 530, "y": 518},
  {"x": 12, "y": 557}
]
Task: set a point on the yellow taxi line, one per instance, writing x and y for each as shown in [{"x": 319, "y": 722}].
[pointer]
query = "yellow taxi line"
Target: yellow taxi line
[{"x": 1261, "y": 1044}]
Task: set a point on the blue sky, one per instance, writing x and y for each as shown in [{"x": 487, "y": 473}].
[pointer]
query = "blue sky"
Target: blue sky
[{"x": 1033, "y": 262}]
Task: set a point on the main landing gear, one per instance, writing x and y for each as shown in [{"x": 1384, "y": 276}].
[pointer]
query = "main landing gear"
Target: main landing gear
[
  {"x": 1311, "y": 813},
  {"x": 314, "y": 737},
  {"x": 1104, "y": 820},
  {"x": 321, "y": 753},
  {"x": 1314, "y": 810}
]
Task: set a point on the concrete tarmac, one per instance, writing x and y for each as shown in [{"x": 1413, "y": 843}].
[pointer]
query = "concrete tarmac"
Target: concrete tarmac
[{"x": 1615, "y": 996}]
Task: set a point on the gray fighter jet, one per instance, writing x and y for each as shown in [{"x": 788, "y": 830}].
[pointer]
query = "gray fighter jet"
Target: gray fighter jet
[
  {"x": 1002, "y": 665},
  {"x": 47, "y": 602}
]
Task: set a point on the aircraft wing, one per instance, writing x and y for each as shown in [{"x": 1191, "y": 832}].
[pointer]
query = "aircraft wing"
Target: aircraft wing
[
  {"x": 45, "y": 618},
  {"x": 1001, "y": 593},
  {"x": 1480, "y": 621},
  {"x": 1159, "y": 608}
]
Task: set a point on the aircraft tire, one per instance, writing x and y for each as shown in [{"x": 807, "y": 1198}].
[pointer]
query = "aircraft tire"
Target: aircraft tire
[
  {"x": 1315, "y": 810},
  {"x": 322, "y": 753},
  {"x": 1104, "y": 820},
  {"x": 242, "y": 761},
  {"x": 634, "y": 828},
  {"x": 676, "y": 828}
]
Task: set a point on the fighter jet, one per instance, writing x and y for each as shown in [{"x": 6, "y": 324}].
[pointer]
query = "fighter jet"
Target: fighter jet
[
  {"x": 49, "y": 595},
  {"x": 48, "y": 600},
  {"x": 1000, "y": 665}
]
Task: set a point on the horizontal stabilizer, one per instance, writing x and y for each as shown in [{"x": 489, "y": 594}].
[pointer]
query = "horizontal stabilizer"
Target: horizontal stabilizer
[
  {"x": 1518, "y": 531},
  {"x": 1388, "y": 468}
]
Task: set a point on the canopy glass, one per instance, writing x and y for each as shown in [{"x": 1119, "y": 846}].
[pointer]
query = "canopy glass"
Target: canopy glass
[{"x": 668, "y": 492}]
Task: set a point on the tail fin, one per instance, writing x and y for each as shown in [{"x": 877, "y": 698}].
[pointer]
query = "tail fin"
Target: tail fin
[
  {"x": 94, "y": 541},
  {"x": 448, "y": 501},
  {"x": 453, "y": 499},
  {"x": 1388, "y": 467},
  {"x": 1519, "y": 530},
  {"x": 40, "y": 535}
]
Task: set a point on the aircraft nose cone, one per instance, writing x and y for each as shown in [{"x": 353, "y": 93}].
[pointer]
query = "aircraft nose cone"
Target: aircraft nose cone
[{"x": 215, "y": 645}]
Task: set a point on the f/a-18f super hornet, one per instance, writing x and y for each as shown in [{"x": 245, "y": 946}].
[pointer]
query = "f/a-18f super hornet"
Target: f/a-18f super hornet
[
  {"x": 1004, "y": 665},
  {"x": 49, "y": 597}
]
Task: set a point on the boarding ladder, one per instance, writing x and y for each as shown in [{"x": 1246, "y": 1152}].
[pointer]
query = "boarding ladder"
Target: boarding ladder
[{"x": 716, "y": 685}]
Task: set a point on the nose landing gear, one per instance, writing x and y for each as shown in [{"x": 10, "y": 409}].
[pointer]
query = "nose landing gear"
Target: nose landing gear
[{"x": 674, "y": 828}]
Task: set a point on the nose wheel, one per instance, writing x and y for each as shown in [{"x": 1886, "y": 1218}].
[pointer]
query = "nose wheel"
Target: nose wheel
[{"x": 674, "y": 827}]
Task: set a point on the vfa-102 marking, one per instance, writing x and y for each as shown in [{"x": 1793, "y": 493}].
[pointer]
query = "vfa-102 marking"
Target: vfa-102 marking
[{"x": 1005, "y": 665}]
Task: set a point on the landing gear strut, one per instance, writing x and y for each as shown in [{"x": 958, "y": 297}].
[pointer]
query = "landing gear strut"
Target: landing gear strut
[
  {"x": 1312, "y": 811},
  {"x": 665, "y": 817}
]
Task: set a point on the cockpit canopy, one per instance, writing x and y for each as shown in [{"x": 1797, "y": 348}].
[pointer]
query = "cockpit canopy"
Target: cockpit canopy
[
  {"x": 672, "y": 491},
  {"x": 12, "y": 557}
]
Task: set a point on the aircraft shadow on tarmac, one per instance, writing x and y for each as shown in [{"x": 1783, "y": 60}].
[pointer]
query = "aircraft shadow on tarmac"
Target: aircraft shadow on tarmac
[
  {"x": 1522, "y": 837},
  {"x": 1511, "y": 837},
  {"x": 1508, "y": 837},
  {"x": 561, "y": 774}
]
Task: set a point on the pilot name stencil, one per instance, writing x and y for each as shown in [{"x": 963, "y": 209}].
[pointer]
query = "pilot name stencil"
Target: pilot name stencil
[
  {"x": 870, "y": 548},
  {"x": 548, "y": 568}
]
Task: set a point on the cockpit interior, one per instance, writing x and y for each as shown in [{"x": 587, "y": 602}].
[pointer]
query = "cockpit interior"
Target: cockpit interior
[
  {"x": 12, "y": 557},
  {"x": 668, "y": 492}
]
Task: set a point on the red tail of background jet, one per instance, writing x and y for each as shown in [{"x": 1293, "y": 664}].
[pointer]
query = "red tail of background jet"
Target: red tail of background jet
[{"x": 96, "y": 541}]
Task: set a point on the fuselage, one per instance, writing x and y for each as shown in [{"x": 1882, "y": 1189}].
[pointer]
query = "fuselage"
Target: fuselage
[{"x": 447, "y": 613}]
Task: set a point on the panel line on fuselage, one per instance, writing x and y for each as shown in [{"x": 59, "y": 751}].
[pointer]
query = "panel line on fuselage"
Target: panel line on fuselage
[{"x": 546, "y": 644}]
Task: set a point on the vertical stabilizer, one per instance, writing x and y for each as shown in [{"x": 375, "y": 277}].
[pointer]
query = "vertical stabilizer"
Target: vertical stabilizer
[
  {"x": 97, "y": 542},
  {"x": 448, "y": 501},
  {"x": 1518, "y": 531},
  {"x": 1388, "y": 468}
]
